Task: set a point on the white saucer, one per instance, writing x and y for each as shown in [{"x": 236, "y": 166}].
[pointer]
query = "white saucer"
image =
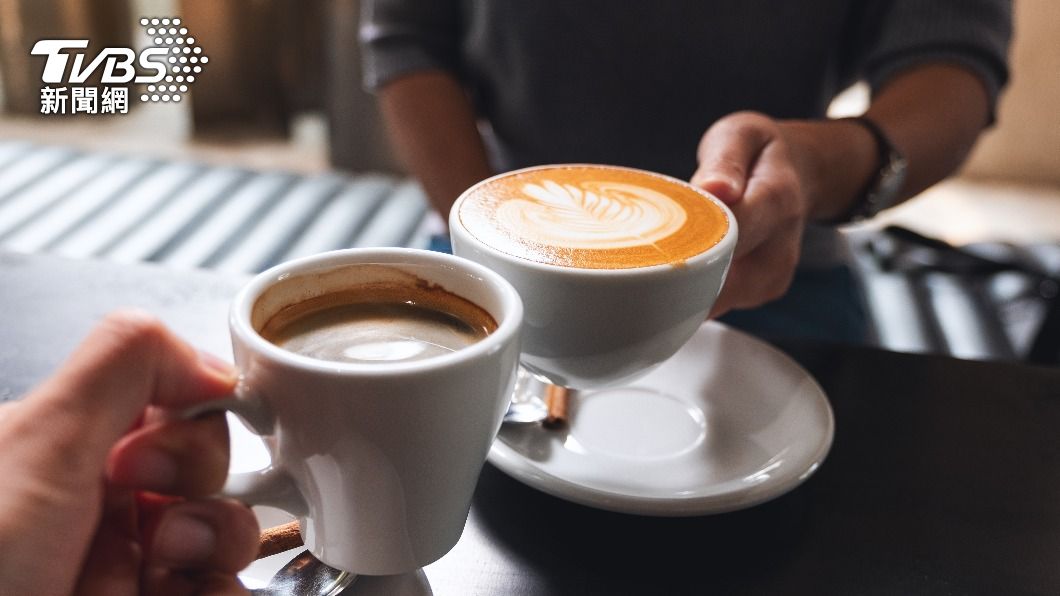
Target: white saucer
[{"x": 727, "y": 423}]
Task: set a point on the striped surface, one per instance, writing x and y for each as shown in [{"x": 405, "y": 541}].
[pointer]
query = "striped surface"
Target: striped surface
[
  {"x": 980, "y": 316},
  {"x": 121, "y": 208},
  {"x": 93, "y": 205}
]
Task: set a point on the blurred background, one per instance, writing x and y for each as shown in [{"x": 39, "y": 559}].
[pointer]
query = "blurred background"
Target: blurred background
[
  {"x": 263, "y": 101},
  {"x": 276, "y": 152}
]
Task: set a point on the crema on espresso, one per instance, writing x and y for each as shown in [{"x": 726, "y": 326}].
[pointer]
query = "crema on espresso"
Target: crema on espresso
[
  {"x": 593, "y": 217},
  {"x": 375, "y": 323}
]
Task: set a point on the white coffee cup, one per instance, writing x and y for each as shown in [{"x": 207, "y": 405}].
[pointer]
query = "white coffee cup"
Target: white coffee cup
[
  {"x": 586, "y": 328},
  {"x": 378, "y": 461}
]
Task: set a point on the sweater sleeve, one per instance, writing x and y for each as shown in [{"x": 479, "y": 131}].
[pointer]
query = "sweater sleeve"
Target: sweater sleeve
[
  {"x": 398, "y": 37},
  {"x": 974, "y": 34}
]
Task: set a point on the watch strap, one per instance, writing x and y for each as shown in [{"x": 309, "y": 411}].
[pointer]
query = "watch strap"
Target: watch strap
[{"x": 882, "y": 189}]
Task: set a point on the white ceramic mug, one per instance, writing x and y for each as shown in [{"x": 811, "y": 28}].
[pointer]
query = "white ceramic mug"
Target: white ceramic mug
[
  {"x": 378, "y": 461},
  {"x": 588, "y": 328}
]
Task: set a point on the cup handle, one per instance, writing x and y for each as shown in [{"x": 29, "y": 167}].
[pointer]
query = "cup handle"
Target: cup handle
[{"x": 271, "y": 486}]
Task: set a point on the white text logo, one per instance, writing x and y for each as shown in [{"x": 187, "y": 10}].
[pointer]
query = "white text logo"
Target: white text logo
[{"x": 166, "y": 67}]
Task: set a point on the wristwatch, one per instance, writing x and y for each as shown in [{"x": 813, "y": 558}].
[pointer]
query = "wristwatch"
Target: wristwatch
[{"x": 884, "y": 188}]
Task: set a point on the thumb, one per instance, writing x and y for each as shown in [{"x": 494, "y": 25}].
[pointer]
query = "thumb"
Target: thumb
[
  {"x": 727, "y": 154},
  {"x": 129, "y": 361}
]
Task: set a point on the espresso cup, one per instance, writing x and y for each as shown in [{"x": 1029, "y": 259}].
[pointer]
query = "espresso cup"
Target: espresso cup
[
  {"x": 377, "y": 453},
  {"x": 617, "y": 267}
]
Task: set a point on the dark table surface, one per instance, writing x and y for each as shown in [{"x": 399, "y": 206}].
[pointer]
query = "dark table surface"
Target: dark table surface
[{"x": 944, "y": 476}]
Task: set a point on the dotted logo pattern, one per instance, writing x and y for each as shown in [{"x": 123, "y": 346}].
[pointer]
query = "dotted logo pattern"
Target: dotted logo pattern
[{"x": 185, "y": 60}]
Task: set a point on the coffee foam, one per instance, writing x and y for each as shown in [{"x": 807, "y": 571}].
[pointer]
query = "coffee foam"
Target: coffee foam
[
  {"x": 292, "y": 298},
  {"x": 596, "y": 217},
  {"x": 367, "y": 332}
]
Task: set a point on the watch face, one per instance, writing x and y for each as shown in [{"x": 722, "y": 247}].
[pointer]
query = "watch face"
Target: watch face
[
  {"x": 886, "y": 186},
  {"x": 889, "y": 186}
]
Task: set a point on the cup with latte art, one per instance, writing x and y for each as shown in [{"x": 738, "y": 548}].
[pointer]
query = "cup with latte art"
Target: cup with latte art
[{"x": 617, "y": 267}]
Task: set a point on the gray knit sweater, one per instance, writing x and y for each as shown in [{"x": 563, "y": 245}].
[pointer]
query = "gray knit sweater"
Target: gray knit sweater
[{"x": 637, "y": 83}]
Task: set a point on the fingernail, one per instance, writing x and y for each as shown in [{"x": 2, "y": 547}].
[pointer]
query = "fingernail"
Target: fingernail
[
  {"x": 722, "y": 186},
  {"x": 150, "y": 469},
  {"x": 183, "y": 539},
  {"x": 218, "y": 367}
]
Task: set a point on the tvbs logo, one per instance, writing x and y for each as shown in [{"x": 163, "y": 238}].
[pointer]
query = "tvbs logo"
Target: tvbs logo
[
  {"x": 119, "y": 64},
  {"x": 166, "y": 67}
]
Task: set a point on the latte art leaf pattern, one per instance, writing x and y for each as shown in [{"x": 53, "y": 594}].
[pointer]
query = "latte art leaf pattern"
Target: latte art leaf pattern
[{"x": 592, "y": 214}]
